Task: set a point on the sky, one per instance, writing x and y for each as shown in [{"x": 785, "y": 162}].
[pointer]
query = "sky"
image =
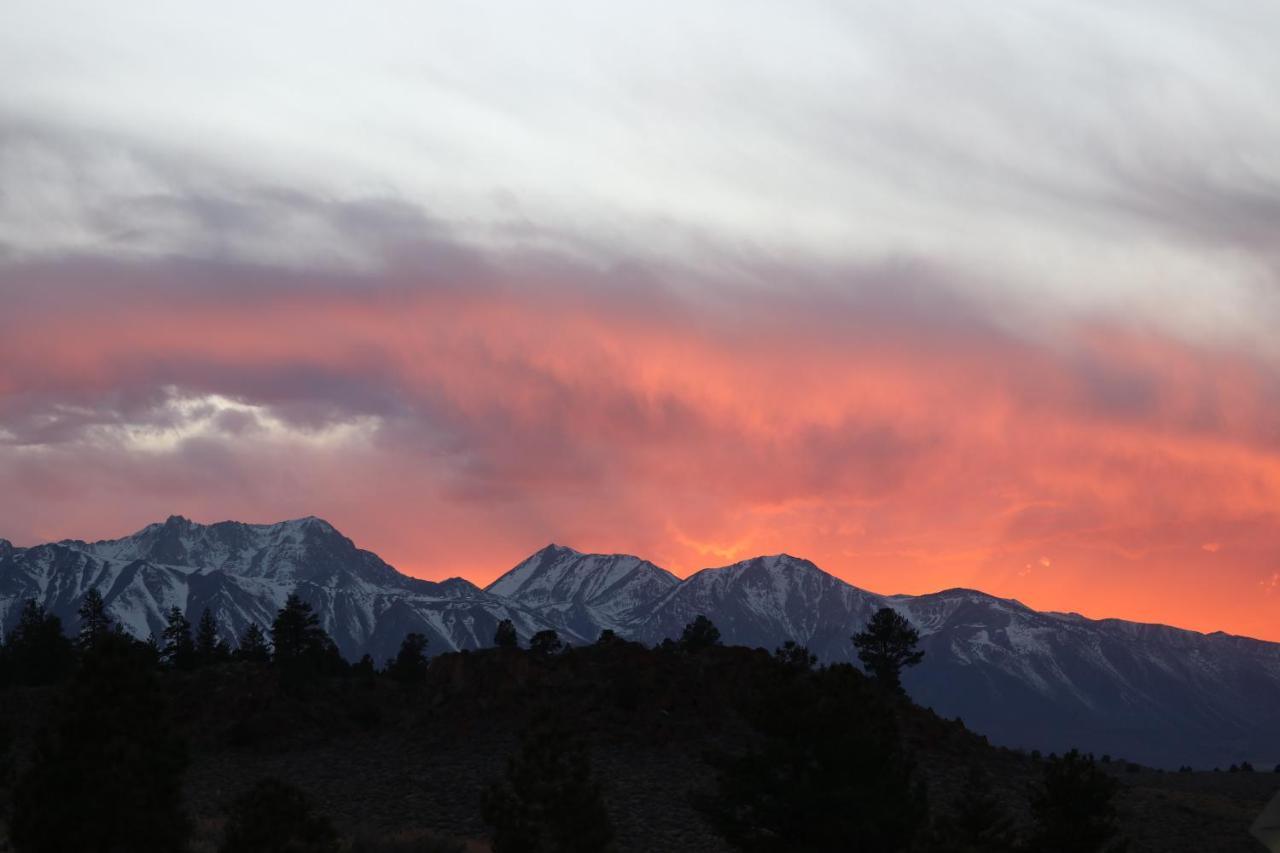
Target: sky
[{"x": 968, "y": 294}]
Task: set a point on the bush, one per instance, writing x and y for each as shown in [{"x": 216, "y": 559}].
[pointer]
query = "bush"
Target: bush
[
  {"x": 548, "y": 800},
  {"x": 404, "y": 844},
  {"x": 794, "y": 656},
  {"x": 276, "y": 817},
  {"x": 1073, "y": 808},
  {"x": 976, "y": 823},
  {"x": 546, "y": 643}
]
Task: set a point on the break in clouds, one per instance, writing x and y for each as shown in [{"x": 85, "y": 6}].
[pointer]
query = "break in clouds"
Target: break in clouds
[{"x": 931, "y": 295}]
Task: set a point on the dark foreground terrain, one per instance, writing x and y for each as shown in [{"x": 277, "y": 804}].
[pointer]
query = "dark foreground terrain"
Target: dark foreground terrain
[{"x": 401, "y": 761}]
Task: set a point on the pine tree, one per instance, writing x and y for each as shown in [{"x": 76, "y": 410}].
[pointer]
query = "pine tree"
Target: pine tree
[
  {"x": 887, "y": 645},
  {"x": 302, "y": 651},
  {"x": 548, "y": 800},
  {"x": 699, "y": 634},
  {"x": 409, "y": 666},
  {"x": 505, "y": 636},
  {"x": 828, "y": 771},
  {"x": 36, "y": 650},
  {"x": 209, "y": 648},
  {"x": 176, "y": 647},
  {"x": 107, "y": 776},
  {"x": 253, "y": 646},
  {"x": 95, "y": 622},
  {"x": 1074, "y": 808},
  {"x": 296, "y": 632}
]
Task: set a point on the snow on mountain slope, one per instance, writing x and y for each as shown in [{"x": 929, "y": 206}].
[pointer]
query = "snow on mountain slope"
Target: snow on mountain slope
[
  {"x": 1024, "y": 678},
  {"x": 243, "y": 573},
  {"x": 584, "y": 593},
  {"x": 1051, "y": 681},
  {"x": 1036, "y": 680},
  {"x": 764, "y": 602}
]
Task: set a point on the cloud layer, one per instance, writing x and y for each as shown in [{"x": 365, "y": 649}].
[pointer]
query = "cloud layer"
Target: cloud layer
[
  {"x": 884, "y": 427},
  {"x": 935, "y": 297}
]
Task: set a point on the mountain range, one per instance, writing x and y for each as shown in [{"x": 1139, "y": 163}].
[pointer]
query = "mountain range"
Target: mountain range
[{"x": 1025, "y": 678}]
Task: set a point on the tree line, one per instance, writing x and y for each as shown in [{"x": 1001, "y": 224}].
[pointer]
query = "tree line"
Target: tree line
[{"x": 828, "y": 765}]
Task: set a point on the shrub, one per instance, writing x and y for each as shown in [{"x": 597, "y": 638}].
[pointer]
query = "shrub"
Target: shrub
[
  {"x": 546, "y": 643},
  {"x": 276, "y": 817},
  {"x": 548, "y": 800},
  {"x": 1073, "y": 808}
]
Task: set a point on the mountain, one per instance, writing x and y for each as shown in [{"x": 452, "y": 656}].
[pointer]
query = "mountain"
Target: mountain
[
  {"x": 1150, "y": 693},
  {"x": 585, "y": 593},
  {"x": 243, "y": 573},
  {"x": 1025, "y": 678},
  {"x": 764, "y": 602},
  {"x": 1049, "y": 681}
]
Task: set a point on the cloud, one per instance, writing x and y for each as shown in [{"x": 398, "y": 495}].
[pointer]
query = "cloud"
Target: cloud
[
  {"x": 884, "y": 427},
  {"x": 925, "y": 297}
]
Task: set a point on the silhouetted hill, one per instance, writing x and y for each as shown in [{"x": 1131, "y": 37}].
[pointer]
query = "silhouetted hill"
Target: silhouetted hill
[{"x": 385, "y": 759}]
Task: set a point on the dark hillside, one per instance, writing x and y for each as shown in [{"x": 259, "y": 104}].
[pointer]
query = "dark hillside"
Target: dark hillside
[{"x": 387, "y": 759}]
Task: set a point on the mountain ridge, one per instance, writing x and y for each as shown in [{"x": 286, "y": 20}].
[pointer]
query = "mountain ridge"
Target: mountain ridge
[{"x": 1027, "y": 678}]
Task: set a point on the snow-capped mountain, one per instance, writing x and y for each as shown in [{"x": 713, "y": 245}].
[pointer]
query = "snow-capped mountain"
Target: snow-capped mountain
[
  {"x": 1025, "y": 678},
  {"x": 1050, "y": 681},
  {"x": 764, "y": 602},
  {"x": 243, "y": 573},
  {"x": 1150, "y": 693},
  {"x": 585, "y": 593}
]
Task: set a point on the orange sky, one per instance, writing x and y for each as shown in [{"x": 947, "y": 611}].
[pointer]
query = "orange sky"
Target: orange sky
[{"x": 892, "y": 433}]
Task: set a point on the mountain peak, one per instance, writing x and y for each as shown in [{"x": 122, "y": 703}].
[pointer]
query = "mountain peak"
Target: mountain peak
[{"x": 553, "y": 548}]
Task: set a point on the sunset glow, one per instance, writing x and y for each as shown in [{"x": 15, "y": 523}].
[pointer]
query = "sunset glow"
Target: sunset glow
[{"x": 1055, "y": 381}]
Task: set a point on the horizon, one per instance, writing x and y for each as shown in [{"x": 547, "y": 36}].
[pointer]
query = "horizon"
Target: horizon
[
  {"x": 681, "y": 576},
  {"x": 965, "y": 297}
]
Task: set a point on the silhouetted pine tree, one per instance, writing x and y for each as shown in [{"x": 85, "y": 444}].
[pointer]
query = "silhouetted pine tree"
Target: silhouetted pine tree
[
  {"x": 505, "y": 636},
  {"x": 829, "y": 771},
  {"x": 276, "y": 817},
  {"x": 887, "y": 645},
  {"x": 95, "y": 622},
  {"x": 794, "y": 656},
  {"x": 209, "y": 648},
  {"x": 301, "y": 649},
  {"x": 253, "y": 646},
  {"x": 1073, "y": 808},
  {"x": 409, "y": 666},
  {"x": 548, "y": 801},
  {"x": 296, "y": 631},
  {"x": 107, "y": 776},
  {"x": 36, "y": 650},
  {"x": 699, "y": 634},
  {"x": 176, "y": 646},
  {"x": 977, "y": 822},
  {"x": 546, "y": 643}
]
